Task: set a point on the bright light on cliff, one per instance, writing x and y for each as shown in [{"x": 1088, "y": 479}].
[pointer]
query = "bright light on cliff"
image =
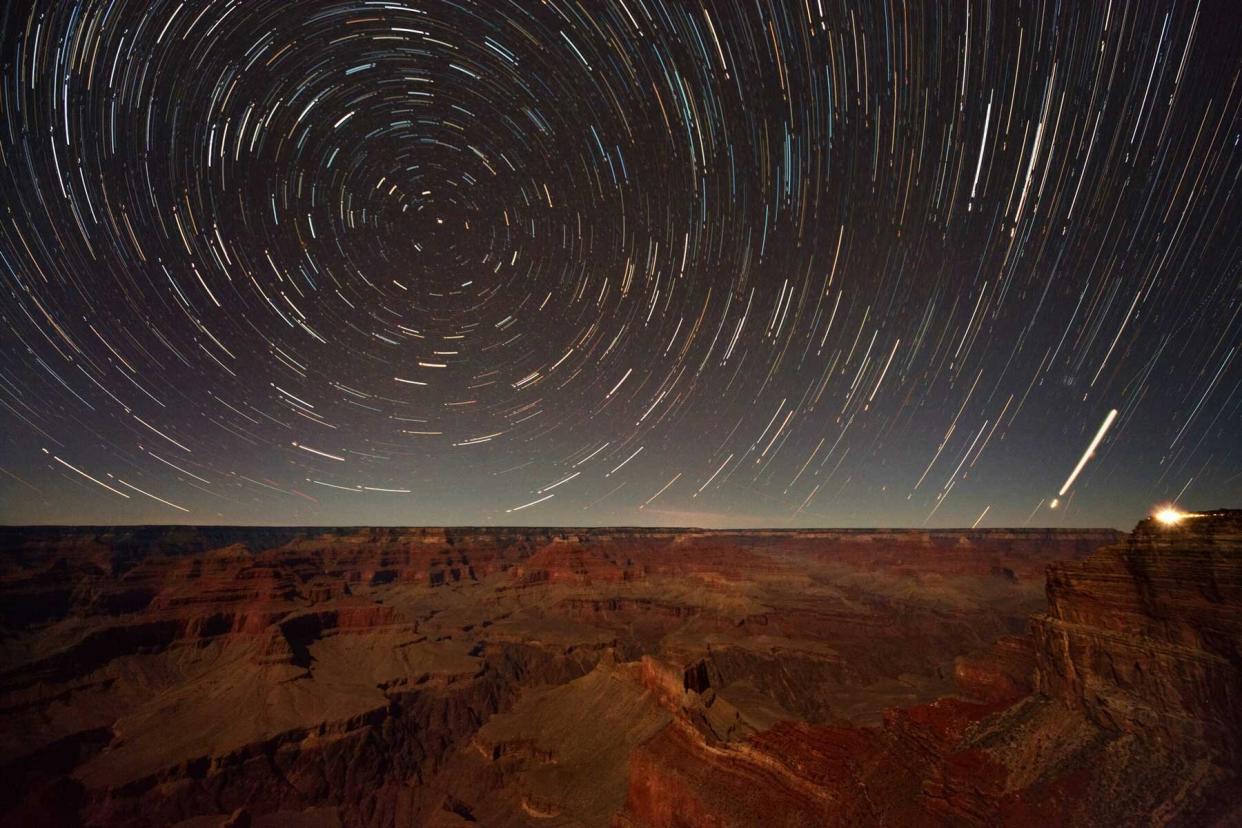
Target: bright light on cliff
[{"x": 1170, "y": 516}]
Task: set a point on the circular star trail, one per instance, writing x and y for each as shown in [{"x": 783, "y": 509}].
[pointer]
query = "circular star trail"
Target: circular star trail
[{"x": 618, "y": 261}]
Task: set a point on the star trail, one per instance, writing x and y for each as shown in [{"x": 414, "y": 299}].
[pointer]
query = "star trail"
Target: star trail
[{"x": 747, "y": 262}]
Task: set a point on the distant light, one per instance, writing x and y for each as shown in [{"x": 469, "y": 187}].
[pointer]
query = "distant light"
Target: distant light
[
  {"x": 1170, "y": 516},
  {"x": 1089, "y": 453},
  {"x": 1054, "y": 504}
]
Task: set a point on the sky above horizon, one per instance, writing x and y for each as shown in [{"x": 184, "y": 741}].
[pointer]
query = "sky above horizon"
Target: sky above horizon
[{"x": 619, "y": 262}]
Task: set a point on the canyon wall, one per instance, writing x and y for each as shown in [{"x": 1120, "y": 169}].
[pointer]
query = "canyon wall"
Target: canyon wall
[
  {"x": 1145, "y": 636},
  {"x": 202, "y": 677}
]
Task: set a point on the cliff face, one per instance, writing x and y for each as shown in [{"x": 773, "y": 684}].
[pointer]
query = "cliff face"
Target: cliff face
[
  {"x": 1145, "y": 636},
  {"x": 159, "y": 676},
  {"x": 1122, "y": 706}
]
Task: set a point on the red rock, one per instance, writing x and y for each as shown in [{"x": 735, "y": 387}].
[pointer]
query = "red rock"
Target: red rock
[
  {"x": 1145, "y": 636},
  {"x": 654, "y": 678}
]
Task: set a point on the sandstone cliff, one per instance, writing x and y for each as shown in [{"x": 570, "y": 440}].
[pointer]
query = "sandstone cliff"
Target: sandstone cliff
[
  {"x": 1145, "y": 636},
  {"x": 1123, "y": 706},
  {"x": 212, "y": 676}
]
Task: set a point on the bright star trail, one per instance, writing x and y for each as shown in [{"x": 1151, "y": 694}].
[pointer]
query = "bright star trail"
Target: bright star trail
[{"x": 576, "y": 262}]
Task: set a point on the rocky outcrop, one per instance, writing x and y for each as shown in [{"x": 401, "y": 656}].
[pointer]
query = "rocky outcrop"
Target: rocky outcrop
[
  {"x": 1145, "y": 636},
  {"x": 1121, "y": 707},
  {"x": 629, "y": 677}
]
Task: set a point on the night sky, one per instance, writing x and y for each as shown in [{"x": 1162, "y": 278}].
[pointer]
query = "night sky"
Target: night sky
[{"x": 579, "y": 262}]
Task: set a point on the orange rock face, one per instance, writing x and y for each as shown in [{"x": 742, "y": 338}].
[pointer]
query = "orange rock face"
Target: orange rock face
[
  {"x": 1145, "y": 636},
  {"x": 1135, "y": 718},
  {"x": 269, "y": 676}
]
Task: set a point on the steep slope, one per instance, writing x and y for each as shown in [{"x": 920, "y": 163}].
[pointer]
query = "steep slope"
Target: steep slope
[
  {"x": 154, "y": 675},
  {"x": 1146, "y": 636},
  {"x": 1133, "y": 719}
]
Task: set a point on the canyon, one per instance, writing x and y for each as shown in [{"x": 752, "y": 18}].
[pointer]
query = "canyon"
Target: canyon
[{"x": 243, "y": 676}]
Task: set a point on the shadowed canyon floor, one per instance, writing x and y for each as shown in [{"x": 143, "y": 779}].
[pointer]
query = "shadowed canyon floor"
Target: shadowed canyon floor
[{"x": 508, "y": 677}]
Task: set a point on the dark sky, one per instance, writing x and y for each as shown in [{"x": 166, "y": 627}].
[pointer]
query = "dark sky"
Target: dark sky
[{"x": 748, "y": 262}]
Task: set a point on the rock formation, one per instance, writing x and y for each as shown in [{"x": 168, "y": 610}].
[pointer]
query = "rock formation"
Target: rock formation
[
  {"x": 1145, "y": 636},
  {"x": 1123, "y": 706},
  {"x": 236, "y": 676}
]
